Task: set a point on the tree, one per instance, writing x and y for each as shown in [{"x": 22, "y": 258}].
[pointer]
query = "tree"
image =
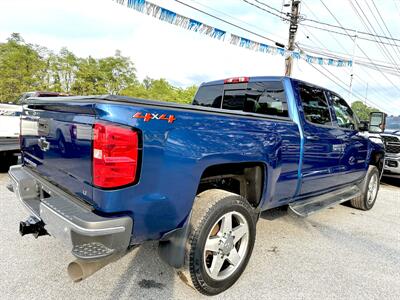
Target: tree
[
  {"x": 88, "y": 78},
  {"x": 21, "y": 68},
  {"x": 65, "y": 67},
  {"x": 362, "y": 110},
  {"x": 25, "y": 67},
  {"x": 118, "y": 72},
  {"x": 160, "y": 89}
]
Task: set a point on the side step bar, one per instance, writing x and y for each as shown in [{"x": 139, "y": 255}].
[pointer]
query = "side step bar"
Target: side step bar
[{"x": 304, "y": 208}]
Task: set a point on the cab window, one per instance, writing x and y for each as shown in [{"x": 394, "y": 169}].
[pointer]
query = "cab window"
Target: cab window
[
  {"x": 315, "y": 105},
  {"x": 344, "y": 115}
]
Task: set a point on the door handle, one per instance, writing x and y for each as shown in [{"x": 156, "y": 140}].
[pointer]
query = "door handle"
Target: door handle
[{"x": 312, "y": 137}]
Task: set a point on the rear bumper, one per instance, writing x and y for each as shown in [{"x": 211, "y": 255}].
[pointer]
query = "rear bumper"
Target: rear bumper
[{"x": 88, "y": 235}]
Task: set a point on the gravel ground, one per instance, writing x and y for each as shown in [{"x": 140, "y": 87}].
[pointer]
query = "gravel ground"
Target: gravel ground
[{"x": 335, "y": 254}]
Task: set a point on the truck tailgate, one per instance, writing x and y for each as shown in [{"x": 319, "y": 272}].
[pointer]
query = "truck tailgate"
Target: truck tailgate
[{"x": 56, "y": 143}]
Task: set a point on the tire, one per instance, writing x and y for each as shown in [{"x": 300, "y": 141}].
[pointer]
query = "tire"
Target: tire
[
  {"x": 370, "y": 190},
  {"x": 213, "y": 270}
]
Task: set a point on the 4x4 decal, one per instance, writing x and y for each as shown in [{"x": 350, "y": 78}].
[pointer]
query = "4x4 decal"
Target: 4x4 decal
[{"x": 150, "y": 116}]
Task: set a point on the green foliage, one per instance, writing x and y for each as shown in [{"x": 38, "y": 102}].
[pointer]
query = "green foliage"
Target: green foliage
[
  {"x": 362, "y": 110},
  {"x": 25, "y": 67},
  {"x": 160, "y": 89},
  {"x": 21, "y": 68}
]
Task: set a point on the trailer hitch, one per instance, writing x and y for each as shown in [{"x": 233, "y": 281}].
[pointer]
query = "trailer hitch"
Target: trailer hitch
[{"x": 32, "y": 226}]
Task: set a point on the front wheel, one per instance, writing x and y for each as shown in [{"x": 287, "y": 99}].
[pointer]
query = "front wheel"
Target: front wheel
[
  {"x": 221, "y": 241},
  {"x": 370, "y": 190}
]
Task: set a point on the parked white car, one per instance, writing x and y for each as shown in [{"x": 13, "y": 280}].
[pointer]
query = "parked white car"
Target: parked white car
[{"x": 9, "y": 134}]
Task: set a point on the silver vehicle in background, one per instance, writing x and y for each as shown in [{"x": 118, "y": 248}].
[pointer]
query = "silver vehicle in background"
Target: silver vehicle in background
[
  {"x": 391, "y": 137},
  {"x": 389, "y": 133}
]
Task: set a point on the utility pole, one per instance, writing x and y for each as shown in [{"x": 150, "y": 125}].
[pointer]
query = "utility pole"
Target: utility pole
[
  {"x": 352, "y": 67},
  {"x": 294, "y": 20}
]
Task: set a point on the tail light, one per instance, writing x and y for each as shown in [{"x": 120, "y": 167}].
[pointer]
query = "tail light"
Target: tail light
[
  {"x": 237, "y": 80},
  {"x": 115, "y": 155}
]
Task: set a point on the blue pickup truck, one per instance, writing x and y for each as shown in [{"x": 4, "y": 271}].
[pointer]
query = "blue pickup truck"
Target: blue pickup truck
[{"x": 105, "y": 173}]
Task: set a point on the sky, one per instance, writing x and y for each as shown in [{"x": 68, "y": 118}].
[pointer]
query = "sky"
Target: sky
[{"x": 161, "y": 50}]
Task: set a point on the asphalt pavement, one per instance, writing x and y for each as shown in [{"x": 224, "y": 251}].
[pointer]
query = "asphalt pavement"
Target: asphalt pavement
[{"x": 339, "y": 253}]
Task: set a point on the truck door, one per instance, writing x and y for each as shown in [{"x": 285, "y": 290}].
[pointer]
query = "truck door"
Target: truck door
[
  {"x": 323, "y": 145},
  {"x": 353, "y": 160}
]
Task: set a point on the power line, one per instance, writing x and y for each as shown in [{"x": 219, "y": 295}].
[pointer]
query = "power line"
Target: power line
[
  {"x": 372, "y": 64},
  {"x": 225, "y": 21},
  {"x": 346, "y": 34},
  {"x": 266, "y": 10},
  {"x": 352, "y": 30},
  {"x": 273, "y": 8},
  {"x": 384, "y": 24},
  {"x": 359, "y": 33},
  {"x": 330, "y": 54},
  {"x": 362, "y": 50},
  {"x": 333, "y": 36},
  {"x": 236, "y": 19},
  {"x": 383, "y": 48}
]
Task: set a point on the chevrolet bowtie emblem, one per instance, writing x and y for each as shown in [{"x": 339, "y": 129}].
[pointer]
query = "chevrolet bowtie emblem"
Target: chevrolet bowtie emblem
[{"x": 43, "y": 144}]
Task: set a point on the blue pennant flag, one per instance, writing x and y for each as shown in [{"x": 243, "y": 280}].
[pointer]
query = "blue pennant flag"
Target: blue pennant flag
[
  {"x": 281, "y": 51},
  {"x": 137, "y": 4},
  {"x": 194, "y": 25},
  {"x": 244, "y": 43},
  {"x": 167, "y": 15}
]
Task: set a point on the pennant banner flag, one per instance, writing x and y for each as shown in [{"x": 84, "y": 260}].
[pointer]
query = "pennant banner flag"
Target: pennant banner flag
[{"x": 171, "y": 17}]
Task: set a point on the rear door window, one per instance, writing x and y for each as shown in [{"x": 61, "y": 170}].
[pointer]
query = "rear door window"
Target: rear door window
[
  {"x": 315, "y": 105},
  {"x": 266, "y": 98}
]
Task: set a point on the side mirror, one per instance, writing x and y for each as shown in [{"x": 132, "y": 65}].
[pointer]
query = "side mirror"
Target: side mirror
[
  {"x": 377, "y": 122},
  {"x": 363, "y": 126}
]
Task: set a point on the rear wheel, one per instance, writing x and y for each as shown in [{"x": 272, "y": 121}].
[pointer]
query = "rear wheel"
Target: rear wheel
[
  {"x": 221, "y": 241},
  {"x": 370, "y": 190}
]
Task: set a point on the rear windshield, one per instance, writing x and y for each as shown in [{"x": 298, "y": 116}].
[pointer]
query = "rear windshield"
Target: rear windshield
[
  {"x": 209, "y": 96},
  {"x": 267, "y": 98}
]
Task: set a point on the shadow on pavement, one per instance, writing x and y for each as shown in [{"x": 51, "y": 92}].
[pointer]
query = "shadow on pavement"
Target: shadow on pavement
[
  {"x": 274, "y": 213},
  {"x": 391, "y": 181},
  {"x": 146, "y": 276}
]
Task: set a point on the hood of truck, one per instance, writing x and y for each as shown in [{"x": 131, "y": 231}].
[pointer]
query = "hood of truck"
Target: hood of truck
[
  {"x": 56, "y": 143},
  {"x": 392, "y": 132}
]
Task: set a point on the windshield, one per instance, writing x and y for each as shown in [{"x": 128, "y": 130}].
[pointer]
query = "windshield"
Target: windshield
[{"x": 393, "y": 123}]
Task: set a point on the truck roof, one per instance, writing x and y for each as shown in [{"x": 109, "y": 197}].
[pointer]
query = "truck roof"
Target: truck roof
[
  {"x": 264, "y": 78},
  {"x": 251, "y": 79}
]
